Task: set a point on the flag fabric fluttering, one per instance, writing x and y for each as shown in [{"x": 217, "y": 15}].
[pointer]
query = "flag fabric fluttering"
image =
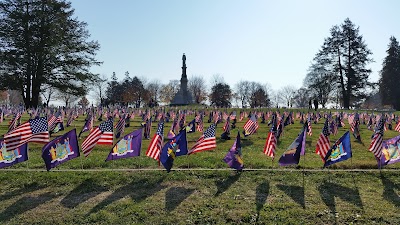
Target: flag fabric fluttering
[
  {"x": 60, "y": 150},
  {"x": 177, "y": 146},
  {"x": 207, "y": 141},
  {"x": 191, "y": 127},
  {"x": 390, "y": 151},
  {"x": 34, "y": 130},
  {"x": 340, "y": 151},
  {"x": 9, "y": 158},
  {"x": 251, "y": 126},
  {"x": 120, "y": 127},
  {"x": 103, "y": 134},
  {"x": 271, "y": 141},
  {"x": 397, "y": 128},
  {"x": 88, "y": 125},
  {"x": 129, "y": 146},
  {"x": 14, "y": 122},
  {"x": 155, "y": 145},
  {"x": 377, "y": 139},
  {"x": 323, "y": 143},
  {"x": 234, "y": 156},
  {"x": 292, "y": 154}
]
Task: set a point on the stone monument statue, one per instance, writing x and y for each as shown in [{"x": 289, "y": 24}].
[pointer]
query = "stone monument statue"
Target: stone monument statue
[{"x": 183, "y": 97}]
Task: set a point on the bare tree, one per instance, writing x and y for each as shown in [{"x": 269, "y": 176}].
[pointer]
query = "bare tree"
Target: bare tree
[
  {"x": 197, "y": 86},
  {"x": 168, "y": 91},
  {"x": 301, "y": 98},
  {"x": 286, "y": 95},
  {"x": 66, "y": 98},
  {"x": 242, "y": 91},
  {"x": 48, "y": 92},
  {"x": 15, "y": 97},
  {"x": 217, "y": 79},
  {"x": 99, "y": 89},
  {"x": 154, "y": 88}
]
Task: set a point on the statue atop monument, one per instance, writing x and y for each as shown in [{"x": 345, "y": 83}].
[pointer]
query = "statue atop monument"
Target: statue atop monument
[{"x": 183, "y": 97}]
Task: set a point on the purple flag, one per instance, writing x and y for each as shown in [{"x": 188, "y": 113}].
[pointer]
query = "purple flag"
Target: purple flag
[
  {"x": 9, "y": 158},
  {"x": 60, "y": 150},
  {"x": 292, "y": 155},
  {"x": 390, "y": 151},
  {"x": 234, "y": 156},
  {"x": 128, "y": 146}
]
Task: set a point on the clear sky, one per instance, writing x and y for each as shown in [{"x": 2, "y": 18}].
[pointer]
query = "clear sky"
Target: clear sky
[{"x": 264, "y": 41}]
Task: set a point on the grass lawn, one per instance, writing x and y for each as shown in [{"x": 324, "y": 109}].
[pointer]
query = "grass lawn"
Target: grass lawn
[{"x": 289, "y": 196}]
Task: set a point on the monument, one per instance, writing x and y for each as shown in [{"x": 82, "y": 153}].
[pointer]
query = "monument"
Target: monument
[{"x": 183, "y": 97}]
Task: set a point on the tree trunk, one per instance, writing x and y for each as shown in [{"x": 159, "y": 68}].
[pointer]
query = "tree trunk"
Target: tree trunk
[{"x": 345, "y": 98}]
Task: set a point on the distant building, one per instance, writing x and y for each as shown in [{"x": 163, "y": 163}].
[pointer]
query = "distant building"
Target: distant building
[{"x": 183, "y": 97}]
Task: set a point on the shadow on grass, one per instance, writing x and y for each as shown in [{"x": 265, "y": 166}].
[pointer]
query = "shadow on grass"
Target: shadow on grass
[
  {"x": 138, "y": 190},
  {"x": 21, "y": 191},
  {"x": 295, "y": 192},
  {"x": 262, "y": 192},
  {"x": 329, "y": 191},
  {"x": 223, "y": 185},
  {"x": 174, "y": 196},
  {"x": 389, "y": 191},
  {"x": 25, "y": 204},
  {"x": 83, "y": 192}
]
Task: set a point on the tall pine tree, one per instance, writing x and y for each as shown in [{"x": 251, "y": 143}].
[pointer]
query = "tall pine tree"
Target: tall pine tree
[
  {"x": 390, "y": 75},
  {"x": 43, "y": 44},
  {"x": 343, "y": 60}
]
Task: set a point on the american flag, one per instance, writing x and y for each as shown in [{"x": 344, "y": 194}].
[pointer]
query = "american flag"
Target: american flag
[
  {"x": 70, "y": 119},
  {"x": 270, "y": 145},
  {"x": 352, "y": 122},
  {"x": 120, "y": 127},
  {"x": 323, "y": 143},
  {"x": 207, "y": 141},
  {"x": 200, "y": 125},
  {"x": 377, "y": 139},
  {"x": 15, "y": 122},
  {"x": 397, "y": 128},
  {"x": 34, "y": 130},
  {"x": 156, "y": 143},
  {"x": 103, "y": 134},
  {"x": 251, "y": 126},
  {"x": 53, "y": 120},
  {"x": 309, "y": 128},
  {"x": 227, "y": 126}
]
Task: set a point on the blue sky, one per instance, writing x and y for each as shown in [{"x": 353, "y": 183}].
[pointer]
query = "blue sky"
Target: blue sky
[{"x": 264, "y": 41}]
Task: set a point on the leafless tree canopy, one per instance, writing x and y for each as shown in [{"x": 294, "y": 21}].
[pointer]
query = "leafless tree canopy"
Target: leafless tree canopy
[{"x": 198, "y": 88}]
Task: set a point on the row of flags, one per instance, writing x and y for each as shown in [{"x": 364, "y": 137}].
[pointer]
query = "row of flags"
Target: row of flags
[{"x": 36, "y": 130}]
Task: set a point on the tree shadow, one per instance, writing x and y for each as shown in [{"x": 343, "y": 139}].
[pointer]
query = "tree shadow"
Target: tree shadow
[
  {"x": 329, "y": 191},
  {"x": 223, "y": 185},
  {"x": 21, "y": 191},
  {"x": 25, "y": 204},
  {"x": 294, "y": 192},
  {"x": 262, "y": 193},
  {"x": 83, "y": 192},
  {"x": 389, "y": 191},
  {"x": 175, "y": 196},
  {"x": 138, "y": 190}
]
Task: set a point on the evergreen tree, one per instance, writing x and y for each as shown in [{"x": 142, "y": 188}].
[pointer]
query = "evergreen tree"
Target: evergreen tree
[
  {"x": 390, "y": 75},
  {"x": 343, "y": 61},
  {"x": 221, "y": 95},
  {"x": 42, "y": 43}
]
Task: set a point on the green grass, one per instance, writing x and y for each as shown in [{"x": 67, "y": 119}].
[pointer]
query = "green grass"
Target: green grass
[
  {"x": 289, "y": 196},
  {"x": 199, "y": 197}
]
